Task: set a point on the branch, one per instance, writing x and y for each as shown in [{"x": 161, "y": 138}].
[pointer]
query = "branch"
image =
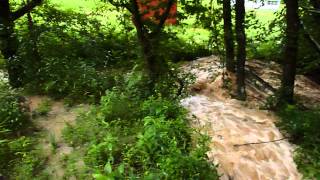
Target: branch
[
  {"x": 263, "y": 142},
  {"x": 309, "y": 37},
  {"x": 126, "y": 5},
  {"x": 25, "y": 9},
  {"x": 250, "y": 72},
  {"x": 313, "y": 10},
  {"x": 136, "y": 14},
  {"x": 164, "y": 17}
]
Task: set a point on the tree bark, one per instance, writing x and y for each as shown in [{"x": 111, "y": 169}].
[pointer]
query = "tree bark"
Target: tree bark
[
  {"x": 9, "y": 42},
  {"x": 154, "y": 65},
  {"x": 25, "y": 9},
  {"x": 241, "y": 49},
  {"x": 228, "y": 36},
  {"x": 291, "y": 51}
]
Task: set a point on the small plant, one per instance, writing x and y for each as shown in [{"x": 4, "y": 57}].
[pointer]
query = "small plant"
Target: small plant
[
  {"x": 44, "y": 107},
  {"x": 53, "y": 142}
]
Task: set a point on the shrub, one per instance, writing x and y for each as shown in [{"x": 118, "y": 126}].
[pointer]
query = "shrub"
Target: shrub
[
  {"x": 13, "y": 112},
  {"x": 303, "y": 126},
  {"x": 44, "y": 107},
  {"x": 73, "y": 79},
  {"x": 150, "y": 139}
]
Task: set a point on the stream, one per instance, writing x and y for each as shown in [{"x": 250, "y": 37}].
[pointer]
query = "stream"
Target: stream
[{"x": 245, "y": 143}]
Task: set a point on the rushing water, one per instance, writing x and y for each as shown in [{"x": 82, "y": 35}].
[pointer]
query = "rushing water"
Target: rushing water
[{"x": 233, "y": 126}]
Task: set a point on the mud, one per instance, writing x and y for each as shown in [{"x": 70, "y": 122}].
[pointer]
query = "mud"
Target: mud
[{"x": 52, "y": 126}]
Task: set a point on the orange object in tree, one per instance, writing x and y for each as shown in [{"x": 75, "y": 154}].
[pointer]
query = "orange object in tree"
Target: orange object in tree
[{"x": 152, "y": 10}]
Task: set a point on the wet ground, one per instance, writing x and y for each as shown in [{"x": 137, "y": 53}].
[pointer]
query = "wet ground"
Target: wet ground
[{"x": 51, "y": 127}]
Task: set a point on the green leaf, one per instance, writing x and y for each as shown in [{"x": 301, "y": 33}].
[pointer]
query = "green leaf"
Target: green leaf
[
  {"x": 108, "y": 168},
  {"x": 121, "y": 169},
  {"x": 100, "y": 177}
]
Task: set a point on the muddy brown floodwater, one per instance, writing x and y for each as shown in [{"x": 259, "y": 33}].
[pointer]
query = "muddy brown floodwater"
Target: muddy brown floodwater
[{"x": 245, "y": 142}]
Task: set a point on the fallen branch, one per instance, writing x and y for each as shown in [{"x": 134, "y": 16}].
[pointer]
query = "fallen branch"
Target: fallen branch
[
  {"x": 256, "y": 77},
  {"x": 309, "y": 37},
  {"x": 264, "y": 142}
]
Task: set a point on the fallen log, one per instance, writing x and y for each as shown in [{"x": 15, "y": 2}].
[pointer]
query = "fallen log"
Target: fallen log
[{"x": 253, "y": 75}]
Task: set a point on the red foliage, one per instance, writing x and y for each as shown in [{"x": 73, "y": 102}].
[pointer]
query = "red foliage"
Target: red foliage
[{"x": 152, "y": 10}]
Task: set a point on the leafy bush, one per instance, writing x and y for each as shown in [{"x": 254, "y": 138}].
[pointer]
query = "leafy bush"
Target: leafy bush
[
  {"x": 303, "y": 126},
  {"x": 149, "y": 139},
  {"x": 44, "y": 107},
  {"x": 72, "y": 79},
  {"x": 13, "y": 112},
  {"x": 13, "y": 121}
]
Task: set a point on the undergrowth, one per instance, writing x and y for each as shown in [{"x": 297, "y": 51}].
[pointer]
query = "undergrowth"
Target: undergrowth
[
  {"x": 18, "y": 156},
  {"x": 124, "y": 138},
  {"x": 303, "y": 127}
]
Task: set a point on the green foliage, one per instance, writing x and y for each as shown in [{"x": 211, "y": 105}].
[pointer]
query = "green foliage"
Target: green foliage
[
  {"x": 30, "y": 166},
  {"x": 19, "y": 159},
  {"x": 303, "y": 127},
  {"x": 14, "y": 121},
  {"x": 44, "y": 107},
  {"x": 53, "y": 142},
  {"x": 13, "y": 111},
  {"x": 76, "y": 81},
  {"x": 127, "y": 138},
  {"x": 2, "y": 62}
]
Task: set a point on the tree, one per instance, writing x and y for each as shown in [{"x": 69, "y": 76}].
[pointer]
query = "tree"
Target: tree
[
  {"x": 228, "y": 36},
  {"x": 290, "y": 51},
  {"x": 241, "y": 49},
  {"x": 148, "y": 32},
  {"x": 8, "y": 40}
]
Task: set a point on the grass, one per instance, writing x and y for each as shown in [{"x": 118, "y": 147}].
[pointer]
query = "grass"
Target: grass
[
  {"x": 44, "y": 107},
  {"x": 83, "y": 6},
  {"x": 53, "y": 142}
]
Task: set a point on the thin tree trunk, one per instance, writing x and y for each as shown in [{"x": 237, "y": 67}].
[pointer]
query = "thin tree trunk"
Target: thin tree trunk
[
  {"x": 8, "y": 45},
  {"x": 291, "y": 51},
  {"x": 228, "y": 36},
  {"x": 241, "y": 49},
  {"x": 154, "y": 65}
]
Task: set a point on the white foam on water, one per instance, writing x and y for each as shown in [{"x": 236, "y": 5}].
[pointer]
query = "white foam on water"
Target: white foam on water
[{"x": 231, "y": 124}]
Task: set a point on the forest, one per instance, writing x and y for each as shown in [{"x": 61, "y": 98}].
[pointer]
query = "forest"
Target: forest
[{"x": 159, "y": 89}]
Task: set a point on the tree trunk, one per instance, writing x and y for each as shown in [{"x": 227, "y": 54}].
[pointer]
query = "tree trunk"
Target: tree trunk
[
  {"x": 8, "y": 45},
  {"x": 241, "y": 49},
  {"x": 228, "y": 36},
  {"x": 291, "y": 51},
  {"x": 154, "y": 65}
]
